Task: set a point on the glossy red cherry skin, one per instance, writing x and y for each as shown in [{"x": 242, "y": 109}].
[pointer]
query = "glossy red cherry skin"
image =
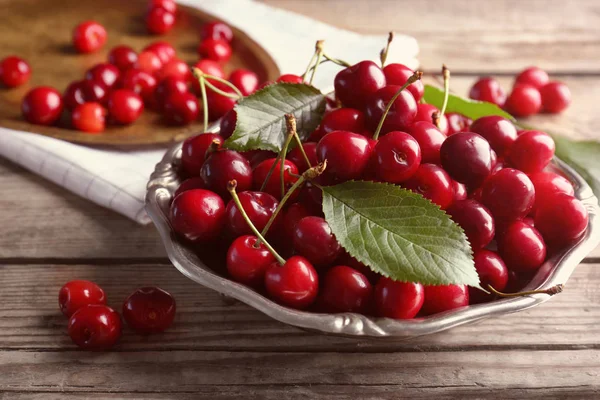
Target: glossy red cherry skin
[
  {"x": 295, "y": 156},
  {"x": 401, "y": 115},
  {"x": 258, "y": 205},
  {"x": 425, "y": 112},
  {"x": 398, "y": 74},
  {"x": 42, "y": 106},
  {"x": 181, "y": 109},
  {"x": 219, "y": 105},
  {"x": 524, "y": 101},
  {"x": 227, "y": 124},
  {"x": 460, "y": 191},
  {"x": 492, "y": 271},
  {"x": 353, "y": 85},
  {"x": 347, "y": 155},
  {"x": 216, "y": 30},
  {"x": 125, "y": 106},
  {"x": 561, "y": 219},
  {"x": 488, "y": 89},
  {"x": 167, "y": 5},
  {"x": 532, "y": 151},
  {"x": 209, "y": 67},
  {"x": 556, "y": 97},
  {"x": 89, "y": 117},
  {"x": 457, "y": 123},
  {"x": 290, "y": 78},
  {"x": 149, "y": 310},
  {"x": 476, "y": 221},
  {"x": 498, "y": 131},
  {"x": 224, "y": 165},
  {"x": 14, "y": 71},
  {"x": 273, "y": 185},
  {"x": 345, "y": 289},
  {"x": 247, "y": 263},
  {"x": 433, "y": 183},
  {"x": 94, "y": 92},
  {"x": 508, "y": 194},
  {"x": 141, "y": 82},
  {"x": 430, "y": 141},
  {"x": 522, "y": 247},
  {"x": 343, "y": 119},
  {"x": 215, "y": 49},
  {"x": 159, "y": 21},
  {"x": 169, "y": 86},
  {"x": 76, "y": 294},
  {"x": 291, "y": 216},
  {"x": 149, "y": 61},
  {"x": 466, "y": 156},
  {"x": 398, "y": 300},
  {"x": 548, "y": 183},
  {"x": 198, "y": 215},
  {"x": 444, "y": 298},
  {"x": 314, "y": 240},
  {"x": 164, "y": 50},
  {"x": 189, "y": 184},
  {"x": 73, "y": 95},
  {"x": 396, "y": 157},
  {"x": 176, "y": 68},
  {"x": 106, "y": 74},
  {"x": 95, "y": 327},
  {"x": 89, "y": 36},
  {"x": 193, "y": 151},
  {"x": 533, "y": 76},
  {"x": 294, "y": 284},
  {"x": 245, "y": 80},
  {"x": 123, "y": 57}
]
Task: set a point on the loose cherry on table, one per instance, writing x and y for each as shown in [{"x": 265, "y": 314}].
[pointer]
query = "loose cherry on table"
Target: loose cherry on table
[
  {"x": 508, "y": 194},
  {"x": 125, "y": 106},
  {"x": 193, "y": 151},
  {"x": 398, "y": 74},
  {"x": 89, "y": 117},
  {"x": 178, "y": 69},
  {"x": 94, "y": 92},
  {"x": 426, "y": 112},
  {"x": 149, "y": 61},
  {"x": 14, "y": 71},
  {"x": 167, "y": 5},
  {"x": 245, "y": 80},
  {"x": 159, "y": 21},
  {"x": 259, "y": 207},
  {"x": 106, "y": 74},
  {"x": 396, "y": 157},
  {"x": 430, "y": 140},
  {"x": 548, "y": 183},
  {"x": 345, "y": 289},
  {"x": 466, "y": 156},
  {"x": 556, "y": 97},
  {"x": 353, "y": 85},
  {"x": 498, "y": 131},
  {"x": 141, "y": 82},
  {"x": 223, "y": 166},
  {"x": 95, "y": 327},
  {"x": 198, "y": 215},
  {"x": 181, "y": 109},
  {"x": 294, "y": 284},
  {"x": 399, "y": 300},
  {"x": 123, "y": 57},
  {"x": 314, "y": 240},
  {"x": 492, "y": 271},
  {"x": 79, "y": 293},
  {"x": 347, "y": 155},
  {"x": 149, "y": 310},
  {"x": 532, "y": 151},
  {"x": 215, "y": 49},
  {"x": 42, "y": 106},
  {"x": 247, "y": 263},
  {"x": 533, "y": 76},
  {"x": 433, "y": 183},
  {"x": 216, "y": 30},
  {"x": 476, "y": 221},
  {"x": 273, "y": 184},
  {"x": 522, "y": 247},
  {"x": 296, "y": 156},
  {"x": 73, "y": 95},
  {"x": 169, "y": 86},
  {"x": 89, "y": 36},
  {"x": 444, "y": 298},
  {"x": 401, "y": 115},
  {"x": 210, "y": 67},
  {"x": 164, "y": 50},
  {"x": 524, "y": 100},
  {"x": 488, "y": 89},
  {"x": 561, "y": 219}
]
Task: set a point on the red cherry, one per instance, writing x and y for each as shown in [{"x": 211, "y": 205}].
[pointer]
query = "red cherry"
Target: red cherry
[
  {"x": 167, "y": 5},
  {"x": 219, "y": 105},
  {"x": 149, "y": 310},
  {"x": 556, "y": 97},
  {"x": 532, "y": 151},
  {"x": 198, "y": 215},
  {"x": 345, "y": 290},
  {"x": 273, "y": 185},
  {"x": 430, "y": 140},
  {"x": 89, "y": 36},
  {"x": 533, "y": 76},
  {"x": 314, "y": 240},
  {"x": 467, "y": 158},
  {"x": 498, "y": 131},
  {"x": 149, "y": 62},
  {"x": 227, "y": 124},
  {"x": 247, "y": 263},
  {"x": 178, "y": 69},
  {"x": 42, "y": 106},
  {"x": 561, "y": 219},
  {"x": 189, "y": 184},
  {"x": 399, "y": 300},
  {"x": 95, "y": 327},
  {"x": 433, "y": 183},
  {"x": 291, "y": 216},
  {"x": 488, "y": 89},
  {"x": 347, "y": 155},
  {"x": 125, "y": 106},
  {"x": 492, "y": 271},
  {"x": 343, "y": 119},
  {"x": 294, "y": 284},
  {"x": 216, "y": 30},
  {"x": 444, "y": 298},
  {"x": 548, "y": 183},
  {"x": 106, "y": 74},
  {"x": 524, "y": 101},
  {"x": 457, "y": 123},
  {"x": 425, "y": 113},
  {"x": 164, "y": 50},
  {"x": 312, "y": 198},
  {"x": 94, "y": 92},
  {"x": 396, "y": 157},
  {"x": 295, "y": 156},
  {"x": 353, "y": 85},
  {"x": 74, "y": 95},
  {"x": 522, "y": 247},
  {"x": 290, "y": 78},
  {"x": 401, "y": 115},
  {"x": 209, "y": 67},
  {"x": 224, "y": 165},
  {"x": 141, "y": 83},
  {"x": 181, "y": 109},
  {"x": 76, "y": 294},
  {"x": 215, "y": 49},
  {"x": 159, "y": 21},
  {"x": 460, "y": 191},
  {"x": 169, "y": 86},
  {"x": 123, "y": 57},
  {"x": 398, "y": 74},
  {"x": 89, "y": 117},
  {"x": 193, "y": 151},
  {"x": 508, "y": 194},
  {"x": 476, "y": 221},
  {"x": 14, "y": 71},
  {"x": 245, "y": 80},
  {"x": 258, "y": 205}
]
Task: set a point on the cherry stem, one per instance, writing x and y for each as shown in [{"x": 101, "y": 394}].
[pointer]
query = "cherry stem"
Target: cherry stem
[
  {"x": 310, "y": 64},
  {"x": 290, "y": 123},
  {"x": 319, "y": 52},
  {"x": 413, "y": 78},
  {"x": 271, "y": 170},
  {"x": 214, "y": 146},
  {"x": 337, "y": 61},
  {"x": 446, "y": 75},
  {"x": 204, "y": 102},
  {"x": 384, "y": 53},
  {"x": 299, "y": 143},
  {"x": 231, "y": 185},
  {"x": 198, "y": 73},
  {"x": 435, "y": 118},
  {"x": 550, "y": 291}
]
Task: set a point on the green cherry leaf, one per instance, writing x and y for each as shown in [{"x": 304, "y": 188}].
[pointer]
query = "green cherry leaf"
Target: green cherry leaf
[
  {"x": 470, "y": 108},
  {"x": 582, "y": 156},
  {"x": 261, "y": 116},
  {"x": 399, "y": 234}
]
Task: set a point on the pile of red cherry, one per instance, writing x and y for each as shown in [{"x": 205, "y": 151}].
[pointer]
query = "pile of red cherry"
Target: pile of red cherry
[
  {"x": 95, "y": 326},
  {"x": 490, "y": 177},
  {"x": 130, "y": 82},
  {"x": 533, "y": 91}
]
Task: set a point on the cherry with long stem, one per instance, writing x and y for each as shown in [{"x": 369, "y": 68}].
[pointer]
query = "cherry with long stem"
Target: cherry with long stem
[
  {"x": 384, "y": 53},
  {"x": 446, "y": 75},
  {"x": 290, "y": 123},
  {"x": 551, "y": 291},
  {"x": 319, "y": 50}
]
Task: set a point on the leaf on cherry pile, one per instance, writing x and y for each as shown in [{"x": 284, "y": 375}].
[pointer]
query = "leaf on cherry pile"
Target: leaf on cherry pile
[
  {"x": 470, "y": 108},
  {"x": 399, "y": 234},
  {"x": 261, "y": 116}
]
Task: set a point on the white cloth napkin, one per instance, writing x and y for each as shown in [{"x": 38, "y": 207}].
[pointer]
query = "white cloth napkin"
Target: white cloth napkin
[{"x": 117, "y": 179}]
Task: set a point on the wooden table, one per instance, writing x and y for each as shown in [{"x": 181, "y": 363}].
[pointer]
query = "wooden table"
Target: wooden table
[{"x": 219, "y": 351}]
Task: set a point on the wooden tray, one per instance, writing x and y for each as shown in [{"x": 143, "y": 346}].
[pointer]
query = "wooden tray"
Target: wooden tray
[{"x": 40, "y": 32}]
